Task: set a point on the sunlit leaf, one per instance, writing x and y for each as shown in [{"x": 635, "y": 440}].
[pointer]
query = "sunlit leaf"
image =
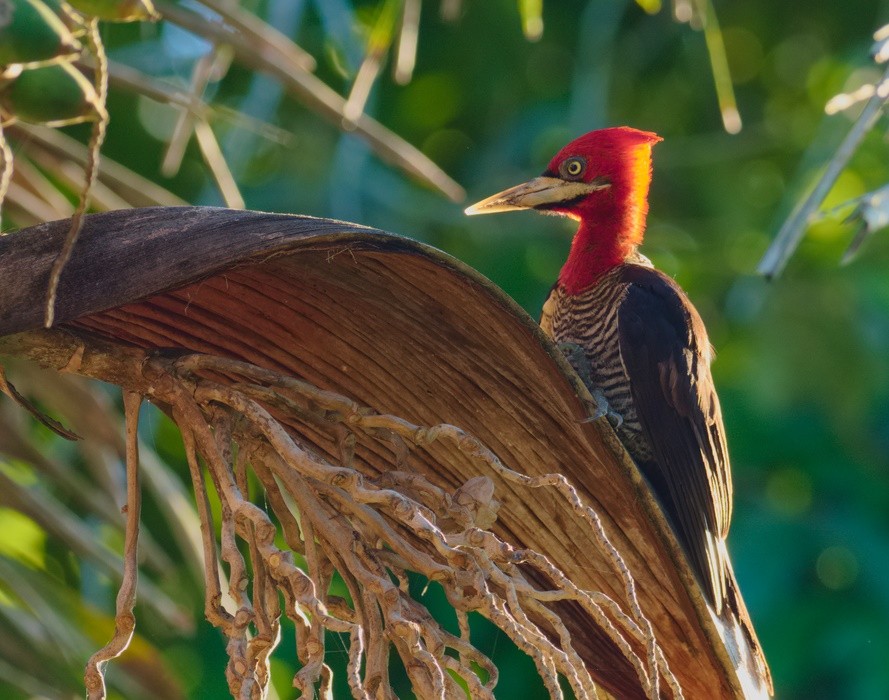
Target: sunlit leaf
[
  {"x": 22, "y": 538},
  {"x": 652, "y": 7},
  {"x": 531, "y": 12},
  {"x": 722, "y": 78},
  {"x": 406, "y": 54},
  {"x": 880, "y": 49},
  {"x": 382, "y": 34}
]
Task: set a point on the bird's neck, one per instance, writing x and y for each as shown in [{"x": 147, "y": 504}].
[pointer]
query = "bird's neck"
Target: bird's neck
[{"x": 611, "y": 228}]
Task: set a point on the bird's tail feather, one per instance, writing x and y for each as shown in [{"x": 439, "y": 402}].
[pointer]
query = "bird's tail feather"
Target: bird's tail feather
[{"x": 736, "y": 629}]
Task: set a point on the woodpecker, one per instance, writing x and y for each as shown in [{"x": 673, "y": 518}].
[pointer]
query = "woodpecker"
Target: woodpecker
[{"x": 639, "y": 344}]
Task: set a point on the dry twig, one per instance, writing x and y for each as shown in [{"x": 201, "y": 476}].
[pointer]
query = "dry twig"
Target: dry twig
[
  {"x": 124, "y": 620},
  {"x": 97, "y": 137},
  {"x": 5, "y": 165}
]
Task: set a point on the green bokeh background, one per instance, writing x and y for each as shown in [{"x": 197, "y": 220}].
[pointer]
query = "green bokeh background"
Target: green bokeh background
[{"x": 802, "y": 363}]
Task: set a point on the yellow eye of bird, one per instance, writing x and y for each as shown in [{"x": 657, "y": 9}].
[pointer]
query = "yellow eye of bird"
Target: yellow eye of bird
[{"x": 573, "y": 167}]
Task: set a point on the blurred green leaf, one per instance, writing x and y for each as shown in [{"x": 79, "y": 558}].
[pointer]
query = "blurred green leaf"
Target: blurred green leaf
[
  {"x": 382, "y": 33},
  {"x": 22, "y": 539},
  {"x": 30, "y": 32},
  {"x": 53, "y": 95},
  {"x": 116, "y": 10}
]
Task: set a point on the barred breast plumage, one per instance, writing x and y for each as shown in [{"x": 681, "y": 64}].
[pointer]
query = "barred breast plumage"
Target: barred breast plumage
[{"x": 589, "y": 319}]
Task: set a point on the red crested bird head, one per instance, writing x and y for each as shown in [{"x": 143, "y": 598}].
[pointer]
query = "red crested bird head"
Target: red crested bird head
[{"x": 600, "y": 179}]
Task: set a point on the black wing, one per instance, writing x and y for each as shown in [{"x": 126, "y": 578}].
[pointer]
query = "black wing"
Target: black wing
[{"x": 666, "y": 354}]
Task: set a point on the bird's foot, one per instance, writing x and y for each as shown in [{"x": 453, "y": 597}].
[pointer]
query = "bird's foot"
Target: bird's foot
[
  {"x": 603, "y": 408},
  {"x": 577, "y": 358}
]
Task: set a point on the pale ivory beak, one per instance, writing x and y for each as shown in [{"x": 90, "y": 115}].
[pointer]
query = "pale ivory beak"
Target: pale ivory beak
[{"x": 535, "y": 193}]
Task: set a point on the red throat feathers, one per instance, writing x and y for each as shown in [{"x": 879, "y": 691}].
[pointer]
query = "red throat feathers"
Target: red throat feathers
[{"x": 612, "y": 221}]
